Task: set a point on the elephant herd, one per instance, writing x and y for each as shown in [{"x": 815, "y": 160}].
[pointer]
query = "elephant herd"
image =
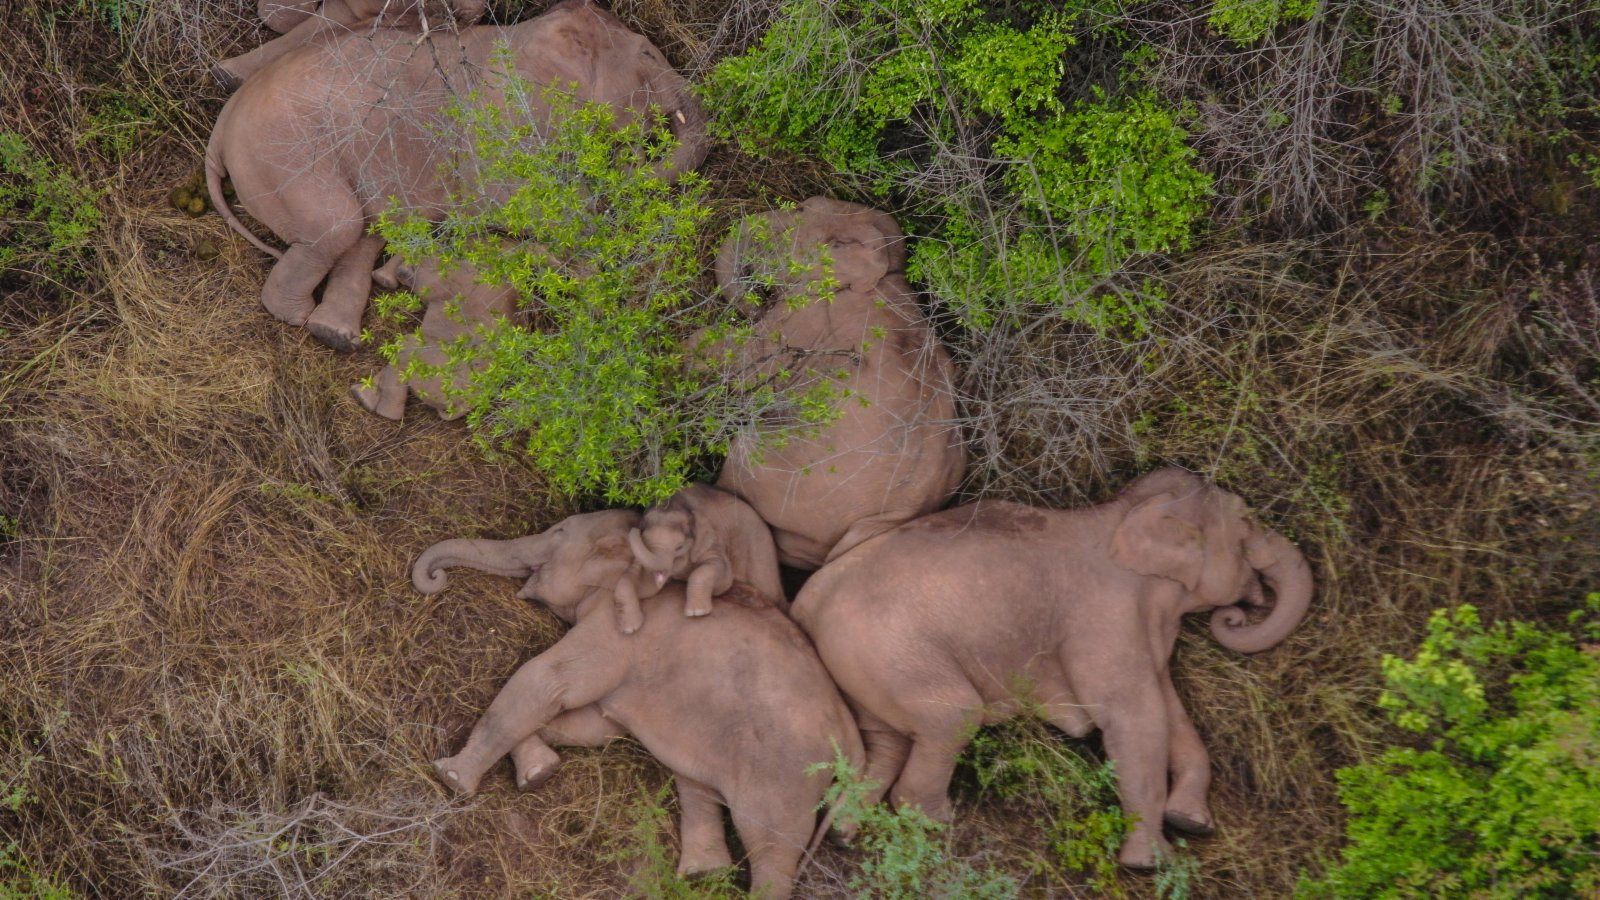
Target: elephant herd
[{"x": 916, "y": 625}]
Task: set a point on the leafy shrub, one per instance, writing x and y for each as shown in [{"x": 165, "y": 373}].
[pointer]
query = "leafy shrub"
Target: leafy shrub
[
  {"x": 1246, "y": 21},
  {"x": 609, "y": 396},
  {"x": 904, "y": 854},
  {"x": 20, "y": 880},
  {"x": 1024, "y": 199},
  {"x": 1504, "y": 801},
  {"x": 47, "y": 218}
]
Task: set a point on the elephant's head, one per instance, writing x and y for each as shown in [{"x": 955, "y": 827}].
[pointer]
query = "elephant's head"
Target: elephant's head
[
  {"x": 661, "y": 543},
  {"x": 781, "y": 248},
  {"x": 1177, "y": 526},
  {"x": 564, "y": 566}
]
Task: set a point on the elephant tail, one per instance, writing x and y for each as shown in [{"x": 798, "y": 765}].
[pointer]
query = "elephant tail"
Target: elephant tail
[{"x": 214, "y": 172}]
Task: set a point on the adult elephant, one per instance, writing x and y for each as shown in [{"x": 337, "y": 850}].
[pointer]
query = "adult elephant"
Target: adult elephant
[
  {"x": 736, "y": 704},
  {"x": 333, "y": 133},
  {"x": 962, "y": 618},
  {"x": 299, "y": 23},
  {"x": 837, "y": 310}
]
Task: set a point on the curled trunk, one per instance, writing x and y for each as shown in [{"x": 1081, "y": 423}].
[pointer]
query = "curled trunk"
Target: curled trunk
[
  {"x": 643, "y": 553},
  {"x": 1285, "y": 571},
  {"x": 496, "y": 557}
]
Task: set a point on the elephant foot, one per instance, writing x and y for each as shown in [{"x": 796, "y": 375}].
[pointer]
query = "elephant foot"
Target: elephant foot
[
  {"x": 337, "y": 335},
  {"x": 696, "y": 609},
  {"x": 1142, "y": 854},
  {"x": 450, "y": 772},
  {"x": 375, "y": 399},
  {"x": 534, "y": 768},
  {"x": 703, "y": 870},
  {"x": 1189, "y": 823}
]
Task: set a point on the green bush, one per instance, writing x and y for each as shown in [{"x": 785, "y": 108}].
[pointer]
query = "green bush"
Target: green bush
[
  {"x": 608, "y": 396},
  {"x": 904, "y": 855},
  {"x": 1246, "y": 21},
  {"x": 1503, "y": 800},
  {"x": 47, "y": 217},
  {"x": 1022, "y": 199}
]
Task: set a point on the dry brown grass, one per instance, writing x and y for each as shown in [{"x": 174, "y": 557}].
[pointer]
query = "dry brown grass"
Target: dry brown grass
[{"x": 217, "y": 680}]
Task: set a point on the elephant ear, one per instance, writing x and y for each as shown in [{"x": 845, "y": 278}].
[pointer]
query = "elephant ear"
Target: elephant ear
[{"x": 1151, "y": 540}]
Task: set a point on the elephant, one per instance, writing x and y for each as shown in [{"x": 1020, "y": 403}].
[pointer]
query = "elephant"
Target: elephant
[
  {"x": 971, "y": 615},
  {"x": 457, "y": 305},
  {"x": 336, "y": 131},
  {"x": 300, "y": 23},
  {"x": 895, "y": 451},
  {"x": 707, "y": 538},
  {"x": 736, "y": 705}
]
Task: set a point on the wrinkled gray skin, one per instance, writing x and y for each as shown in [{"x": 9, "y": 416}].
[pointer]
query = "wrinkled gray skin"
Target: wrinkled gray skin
[
  {"x": 706, "y": 538},
  {"x": 304, "y": 22},
  {"x": 897, "y": 456},
  {"x": 736, "y": 705},
  {"x": 457, "y": 306},
  {"x": 934, "y": 628},
  {"x": 320, "y": 141}
]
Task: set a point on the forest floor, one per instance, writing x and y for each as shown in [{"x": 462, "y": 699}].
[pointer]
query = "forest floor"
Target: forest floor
[{"x": 216, "y": 679}]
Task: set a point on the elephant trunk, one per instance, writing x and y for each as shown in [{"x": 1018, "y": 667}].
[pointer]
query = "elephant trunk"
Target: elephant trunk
[
  {"x": 646, "y": 557},
  {"x": 686, "y": 119},
  {"x": 496, "y": 557},
  {"x": 1286, "y": 572}
]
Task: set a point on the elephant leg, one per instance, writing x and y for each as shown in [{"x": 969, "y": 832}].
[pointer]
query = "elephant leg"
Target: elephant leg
[
  {"x": 702, "y": 586},
  {"x": 287, "y": 294},
  {"x": 1190, "y": 767},
  {"x": 862, "y": 530},
  {"x": 572, "y": 674},
  {"x": 1061, "y": 706},
  {"x": 775, "y": 838},
  {"x": 946, "y": 722},
  {"x": 386, "y": 396},
  {"x": 337, "y": 320},
  {"x": 705, "y": 844},
  {"x": 886, "y": 751},
  {"x": 534, "y": 760},
  {"x": 626, "y": 600},
  {"x": 387, "y": 276},
  {"x": 1133, "y": 719}
]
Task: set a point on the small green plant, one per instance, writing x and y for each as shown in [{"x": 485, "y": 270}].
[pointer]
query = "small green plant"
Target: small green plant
[
  {"x": 21, "y": 880},
  {"x": 904, "y": 854},
  {"x": 609, "y": 396},
  {"x": 653, "y": 874},
  {"x": 1246, "y": 21},
  {"x": 1503, "y": 800},
  {"x": 47, "y": 218},
  {"x": 10, "y": 528},
  {"x": 1072, "y": 798}
]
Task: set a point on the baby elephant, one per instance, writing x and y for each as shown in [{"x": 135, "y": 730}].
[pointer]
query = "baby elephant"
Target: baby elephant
[
  {"x": 934, "y": 628},
  {"x": 737, "y": 705},
  {"x": 458, "y": 306},
  {"x": 707, "y": 538}
]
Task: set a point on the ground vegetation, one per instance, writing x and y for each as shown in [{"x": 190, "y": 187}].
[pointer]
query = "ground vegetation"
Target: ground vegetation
[{"x": 1341, "y": 257}]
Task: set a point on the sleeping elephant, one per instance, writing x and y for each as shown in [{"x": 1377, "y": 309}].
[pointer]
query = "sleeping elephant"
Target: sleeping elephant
[
  {"x": 936, "y": 628},
  {"x": 299, "y": 23},
  {"x": 736, "y": 705},
  {"x": 895, "y": 450},
  {"x": 706, "y": 538},
  {"x": 325, "y": 139}
]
